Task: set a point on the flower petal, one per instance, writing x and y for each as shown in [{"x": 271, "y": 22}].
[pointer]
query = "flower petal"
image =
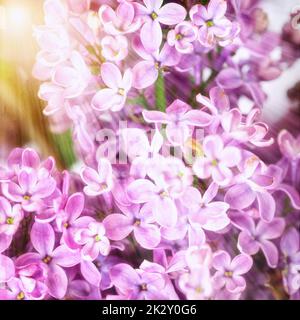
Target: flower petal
[
  {"x": 266, "y": 205},
  {"x": 240, "y": 196},
  {"x": 271, "y": 253},
  {"x": 118, "y": 226},
  {"x": 241, "y": 264},
  {"x": 221, "y": 260},
  {"x": 7, "y": 269},
  {"x": 57, "y": 282},
  {"x": 90, "y": 273},
  {"x": 151, "y": 35},
  {"x": 171, "y": 14},
  {"x": 147, "y": 235},
  {"x": 144, "y": 74},
  {"x": 141, "y": 190},
  {"x": 42, "y": 237}
]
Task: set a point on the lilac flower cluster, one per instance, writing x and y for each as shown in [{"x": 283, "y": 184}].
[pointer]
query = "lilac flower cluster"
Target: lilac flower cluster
[{"x": 179, "y": 204}]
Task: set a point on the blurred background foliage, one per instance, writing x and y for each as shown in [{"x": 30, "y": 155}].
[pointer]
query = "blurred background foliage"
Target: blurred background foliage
[{"x": 21, "y": 119}]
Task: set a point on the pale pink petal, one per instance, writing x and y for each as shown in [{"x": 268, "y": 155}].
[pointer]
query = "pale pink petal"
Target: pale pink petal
[
  {"x": 271, "y": 230},
  {"x": 221, "y": 260},
  {"x": 155, "y": 117},
  {"x": 144, "y": 74},
  {"x": 65, "y": 257},
  {"x": 230, "y": 156},
  {"x": 241, "y": 264},
  {"x": 266, "y": 205},
  {"x": 118, "y": 226},
  {"x": 43, "y": 238},
  {"x": 90, "y": 272},
  {"x": 141, "y": 190},
  {"x": 171, "y": 13},
  {"x": 7, "y": 269},
  {"x": 57, "y": 282},
  {"x": 240, "y": 196},
  {"x": 217, "y": 8},
  {"x": 151, "y": 35},
  {"x": 105, "y": 99},
  {"x": 74, "y": 206},
  {"x": 165, "y": 211},
  {"x": 213, "y": 146},
  {"x": 271, "y": 253},
  {"x": 111, "y": 75},
  {"x": 147, "y": 235}
]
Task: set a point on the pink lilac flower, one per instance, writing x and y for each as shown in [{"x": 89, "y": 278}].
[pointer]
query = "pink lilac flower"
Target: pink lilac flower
[
  {"x": 197, "y": 215},
  {"x": 72, "y": 79},
  {"x": 211, "y": 21},
  {"x": 289, "y": 146},
  {"x": 123, "y": 20},
  {"x": 196, "y": 284},
  {"x": 43, "y": 240},
  {"x": 163, "y": 206},
  {"x": 68, "y": 219},
  {"x": 171, "y": 178},
  {"x": 137, "y": 284},
  {"x": 114, "y": 96},
  {"x": 255, "y": 237},
  {"x": 240, "y": 76},
  {"x": 29, "y": 189},
  {"x": 218, "y": 160},
  {"x": 181, "y": 202},
  {"x": 253, "y": 184},
  {"x": 182, "y": 37},
  {"x": 55, "y": 48},
  {"x": 153, "y": 14},
  {"x": 146, "y": 71},
  {"x": 10, "y": 217},
  {"x": 68, "y": 81},
  {"x": 33, "y": 280},
  {"x": 229, "y": 272},
  {"x": 140, "y": 152},
  {"x": 210, "y": 215},
  {"x": 114, "y": 48},
  {"x": 138, "y": 220},
  {"x": 27, "y": 158},
  {"x": 97, "y": 182},
  {"x": 179, "y": 120},
  {"x": 93, "y": 240},
  {"x": 289, "y": 245}
]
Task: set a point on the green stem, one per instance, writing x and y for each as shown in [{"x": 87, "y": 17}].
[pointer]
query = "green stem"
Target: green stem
[
  {"x": 160, "y": 95},
  {"x": 64, "y": 145}
]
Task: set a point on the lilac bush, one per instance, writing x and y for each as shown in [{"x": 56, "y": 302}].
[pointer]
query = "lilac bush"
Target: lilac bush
[{"x": 172, "y": 196}]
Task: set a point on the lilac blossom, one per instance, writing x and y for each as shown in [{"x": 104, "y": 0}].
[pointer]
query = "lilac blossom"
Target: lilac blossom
[
  {"x": 138, "y": 220},
  {"x": 217, "y": 160},
  {"x": 229, "y": 272},
  {"x": 147, "y": 71},
  {"x": 97, "y": 182},
  {"x": 137, "y": 284},
  {"x": 182, "y": 37},
  {"x": 175, "y": 189},
  {"x": 179, "y": 120},
  {"x": 93, "y": 240},
  {"x": 255, "y": 237},
  {"x": 114, "y": 95},
  {"x": 153, "y": 14},
  {"x": 212, "y": 22}
]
